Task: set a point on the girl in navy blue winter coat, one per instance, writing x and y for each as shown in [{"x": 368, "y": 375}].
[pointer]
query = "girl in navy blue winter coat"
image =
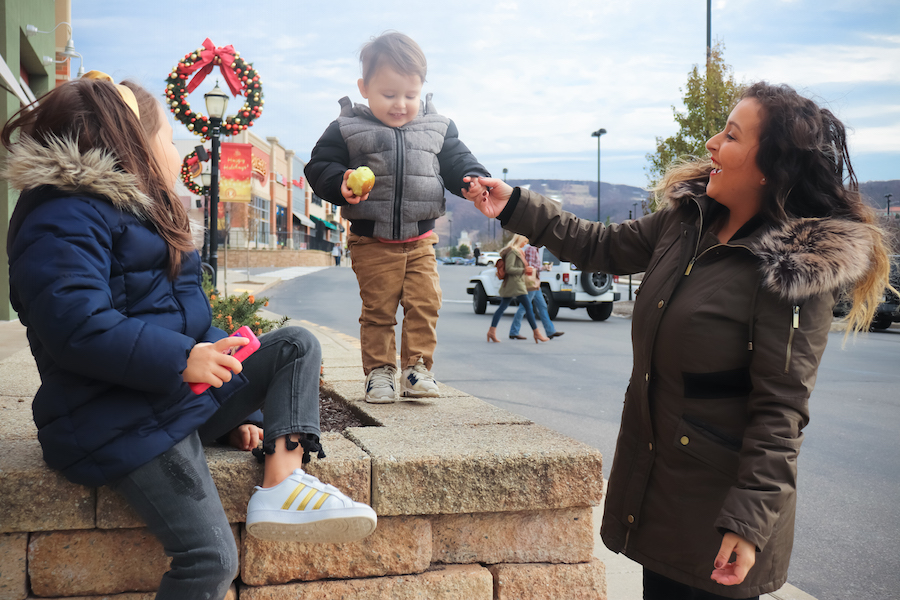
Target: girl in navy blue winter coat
[{"x": 104, "y": 275}]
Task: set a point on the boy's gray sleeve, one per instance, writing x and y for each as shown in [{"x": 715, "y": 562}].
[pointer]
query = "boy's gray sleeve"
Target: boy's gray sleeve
[
  {"x": 457, "y": 161},
  {"x": 327, "y": 164}
]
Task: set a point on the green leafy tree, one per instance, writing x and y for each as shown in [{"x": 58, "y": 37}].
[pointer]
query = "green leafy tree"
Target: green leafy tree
[
  {"x": 710, "y": 94},
  {"x": 464, "y": 250}
]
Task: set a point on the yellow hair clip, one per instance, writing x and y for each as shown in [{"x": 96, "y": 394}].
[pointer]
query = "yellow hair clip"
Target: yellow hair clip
[{"x": 126, "y": 93}]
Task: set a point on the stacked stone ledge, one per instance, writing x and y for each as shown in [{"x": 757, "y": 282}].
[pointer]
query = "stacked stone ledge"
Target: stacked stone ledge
[{"x": 473, "y": 503}]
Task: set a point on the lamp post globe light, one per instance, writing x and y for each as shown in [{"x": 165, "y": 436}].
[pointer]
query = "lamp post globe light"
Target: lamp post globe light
[
  {"x": 216, "y": 103},
  {"x": 597, "y": 135}
]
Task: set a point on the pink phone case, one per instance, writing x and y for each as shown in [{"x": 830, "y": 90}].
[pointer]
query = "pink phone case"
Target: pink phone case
[{"x": 239, "y": 353}]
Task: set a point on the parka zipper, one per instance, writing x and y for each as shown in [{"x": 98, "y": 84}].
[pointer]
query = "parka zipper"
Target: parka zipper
[
  {"x": 697, "y": 245},
  {"x": 696, "y": 256},
  {"x": 795, "y": 325},
  {"x": 398, "y": 183}
]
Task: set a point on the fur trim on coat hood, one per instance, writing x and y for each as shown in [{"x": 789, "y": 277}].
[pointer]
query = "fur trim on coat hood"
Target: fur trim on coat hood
[
  {"x": 61, "y": 165},
  {"x": 802, "y": 257}
]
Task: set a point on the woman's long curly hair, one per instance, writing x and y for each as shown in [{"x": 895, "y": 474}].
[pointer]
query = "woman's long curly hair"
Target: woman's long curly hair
[{"x": 803, "y": 156}]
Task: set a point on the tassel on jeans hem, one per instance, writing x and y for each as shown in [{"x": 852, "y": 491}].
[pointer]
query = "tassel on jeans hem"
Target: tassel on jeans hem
[{"x": 308, "y": 441}]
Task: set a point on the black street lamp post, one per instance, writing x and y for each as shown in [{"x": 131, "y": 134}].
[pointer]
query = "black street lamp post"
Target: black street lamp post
[
  {"x": 888, "y": 198},
  {"x": 206, "y": 180},
  {"x": 597, "y": 135},
  {"x": 216, "y": 102}
]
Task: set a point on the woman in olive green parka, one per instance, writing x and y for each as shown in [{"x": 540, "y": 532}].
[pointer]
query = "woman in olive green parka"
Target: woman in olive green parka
[
  {"x": 514, "y": 287},
  {"x": 742, "y": 268}
]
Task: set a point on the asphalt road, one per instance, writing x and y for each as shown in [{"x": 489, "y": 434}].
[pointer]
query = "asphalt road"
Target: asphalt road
[{"x": 849, "y": 486}]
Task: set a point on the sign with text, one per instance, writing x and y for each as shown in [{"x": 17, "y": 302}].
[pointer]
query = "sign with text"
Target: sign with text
[{"x": 234, "y": 172}]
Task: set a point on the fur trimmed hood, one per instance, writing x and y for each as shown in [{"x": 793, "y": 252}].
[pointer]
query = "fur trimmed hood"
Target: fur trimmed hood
[
  {"x": 63, "y": 166},
  {"x": 805, "y": 256}
]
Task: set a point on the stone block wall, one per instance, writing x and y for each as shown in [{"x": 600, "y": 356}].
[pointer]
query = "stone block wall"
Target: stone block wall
[
  {"x": 238, "y": 258},
  {"x": 473, "y": 503}
]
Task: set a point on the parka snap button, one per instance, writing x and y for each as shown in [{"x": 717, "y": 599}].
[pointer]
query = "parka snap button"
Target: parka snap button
[
  {"x": 651, "y": 446},
  {"x": 646, "y": 376},
  {"x": 631, "y": 518},
  {"x": 661, "y": 302},
  {"x": 685, "y": 440}
]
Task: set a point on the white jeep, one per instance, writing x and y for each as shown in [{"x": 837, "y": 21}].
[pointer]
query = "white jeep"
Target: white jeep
[{"x": 563, "y": 285}]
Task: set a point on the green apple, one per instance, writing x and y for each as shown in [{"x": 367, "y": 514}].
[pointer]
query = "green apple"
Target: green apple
[{"x": 361, "y": 181}]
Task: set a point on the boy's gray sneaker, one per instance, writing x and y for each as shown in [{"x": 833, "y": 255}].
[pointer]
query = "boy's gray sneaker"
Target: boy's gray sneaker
[
  {"x": 418, "y": 382},
  {"x": 380, "y": 386}
]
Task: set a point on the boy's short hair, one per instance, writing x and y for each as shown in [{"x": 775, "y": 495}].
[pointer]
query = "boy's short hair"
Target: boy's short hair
[{"x": 396, "y": 50}]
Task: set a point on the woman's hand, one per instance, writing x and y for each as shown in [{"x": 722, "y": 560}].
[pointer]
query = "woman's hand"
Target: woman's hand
[
  {"x": 489, "y": 195},
  {"x": 347, "y": 193},
  {"x": 213, "y": 363},
  {"x": 245, "y": 437},
  {"x": 733, "y": 573},
  {"x": 529, "y": 270}
]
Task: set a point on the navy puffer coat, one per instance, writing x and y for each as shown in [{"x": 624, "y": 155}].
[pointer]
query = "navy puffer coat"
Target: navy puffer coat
[{"x": 110, "y": 332}]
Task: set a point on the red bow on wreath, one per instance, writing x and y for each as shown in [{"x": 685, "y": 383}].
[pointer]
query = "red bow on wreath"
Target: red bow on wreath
[{"x": 206, "y": 62}]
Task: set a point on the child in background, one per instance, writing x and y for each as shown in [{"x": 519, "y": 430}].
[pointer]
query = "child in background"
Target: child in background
[
  {"x": 104, "y": 275},
  {"x": 415, "y": 153}
]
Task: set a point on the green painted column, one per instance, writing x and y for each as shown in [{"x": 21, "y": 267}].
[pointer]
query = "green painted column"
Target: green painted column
[{"x": 21, "y": 52}]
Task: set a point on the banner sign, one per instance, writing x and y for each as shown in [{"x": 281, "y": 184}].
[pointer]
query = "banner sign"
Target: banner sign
[
  {"x": 259, "y": 173},
  {"x": 234, "y": 172}
]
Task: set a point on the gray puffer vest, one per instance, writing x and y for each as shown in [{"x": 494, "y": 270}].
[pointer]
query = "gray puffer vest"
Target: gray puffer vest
[{"x": 408, "y": 185}]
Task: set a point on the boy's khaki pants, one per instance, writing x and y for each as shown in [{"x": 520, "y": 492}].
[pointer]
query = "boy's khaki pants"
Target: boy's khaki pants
[{"x": 392, "y": 275}]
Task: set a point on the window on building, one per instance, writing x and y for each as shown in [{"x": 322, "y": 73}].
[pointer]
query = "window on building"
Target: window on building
[
  {"x": 316, "y": 200},
  {"x": 259, "y": 220}
]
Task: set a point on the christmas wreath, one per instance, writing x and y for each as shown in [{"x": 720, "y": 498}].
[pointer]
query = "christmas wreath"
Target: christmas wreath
[
  {"x": 186, "y": 167},
  {"x": 241, "y": 77}
]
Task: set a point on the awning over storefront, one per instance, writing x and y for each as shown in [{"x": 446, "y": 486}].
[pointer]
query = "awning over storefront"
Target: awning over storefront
[
  {"x": 304, "y": 220},
  {"x": 324, "y": 222}
]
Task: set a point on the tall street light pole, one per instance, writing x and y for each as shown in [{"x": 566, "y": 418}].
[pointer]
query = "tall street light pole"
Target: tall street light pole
[
  {"x": 888, "y": 198},
  {"x": 494, "y": 221},
  {"x": 216, "y": 102},
  {"x": 597, "y": 135}
]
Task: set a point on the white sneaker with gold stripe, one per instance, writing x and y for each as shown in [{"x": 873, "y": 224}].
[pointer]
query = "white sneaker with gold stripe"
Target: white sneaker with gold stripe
[{"x": 303, "y": 509}]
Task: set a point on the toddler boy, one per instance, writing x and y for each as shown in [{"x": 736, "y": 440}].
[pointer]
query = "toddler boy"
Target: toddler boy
[{"x": 415, "y": 153}]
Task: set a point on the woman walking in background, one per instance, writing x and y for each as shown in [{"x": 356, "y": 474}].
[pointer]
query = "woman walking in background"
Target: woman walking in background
[
  {"x": 514, "y": 287},
  {"x": 742, "y": 267}
]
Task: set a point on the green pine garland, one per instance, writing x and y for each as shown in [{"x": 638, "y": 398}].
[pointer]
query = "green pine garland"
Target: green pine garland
[{"x": 251, "y": 87}]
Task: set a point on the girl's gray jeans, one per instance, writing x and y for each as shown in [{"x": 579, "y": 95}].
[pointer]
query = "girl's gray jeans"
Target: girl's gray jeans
[{"x": 174, "y": 493}]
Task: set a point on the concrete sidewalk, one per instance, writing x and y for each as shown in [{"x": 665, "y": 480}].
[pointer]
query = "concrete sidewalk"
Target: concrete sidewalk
[{"x": 624, "y": 577}]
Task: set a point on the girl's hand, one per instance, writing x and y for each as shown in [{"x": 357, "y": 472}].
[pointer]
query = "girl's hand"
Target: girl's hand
[
  {"x": 245, "y": 437},
  {"x": 348, "y": 194},
  {"x": 490, "y": 202},
  {"x": 529, "y": 270},
  {"x": 213, "y": 363},
  {"x": 733, "y": 573}
]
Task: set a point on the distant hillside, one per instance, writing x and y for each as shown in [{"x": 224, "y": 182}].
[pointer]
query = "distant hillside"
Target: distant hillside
[
  {"x": 874, "y": 192},
  {"x": 580, "y": 198}
]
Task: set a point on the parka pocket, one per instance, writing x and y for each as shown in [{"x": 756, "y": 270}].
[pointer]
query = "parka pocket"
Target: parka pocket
[{"x": 709, "y": 445}]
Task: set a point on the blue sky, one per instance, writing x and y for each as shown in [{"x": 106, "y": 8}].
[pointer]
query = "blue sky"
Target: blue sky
[{"x": 528, "y": 81}]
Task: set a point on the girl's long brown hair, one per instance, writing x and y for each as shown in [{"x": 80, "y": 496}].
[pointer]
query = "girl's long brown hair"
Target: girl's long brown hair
[{"x": 92, "y": 114}]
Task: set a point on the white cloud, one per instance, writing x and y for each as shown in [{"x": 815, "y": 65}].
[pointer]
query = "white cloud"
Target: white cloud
[{"x": 529, "y": 80}]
